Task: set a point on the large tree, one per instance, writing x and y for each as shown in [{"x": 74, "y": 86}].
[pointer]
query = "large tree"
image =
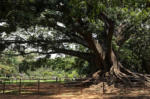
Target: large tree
[{"x": 51, "y": 25}]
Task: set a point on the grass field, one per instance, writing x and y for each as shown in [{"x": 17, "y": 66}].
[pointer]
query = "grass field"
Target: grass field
[
  {"x": 17, "y": 81},
  {"x": 14, "y": 86},
  {"x": 26, "y": 81}
]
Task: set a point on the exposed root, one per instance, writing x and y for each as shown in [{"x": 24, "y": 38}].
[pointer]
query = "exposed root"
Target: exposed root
[
  {"x": 119, "y": 75},
  {"x": 125, "y": 76}
]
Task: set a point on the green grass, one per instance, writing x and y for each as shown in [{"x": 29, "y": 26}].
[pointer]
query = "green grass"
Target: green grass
[
  {"x": 28, "y": 81},
  {"x": 17, "y": 92},
  {"x": 24, "y": 83},
  {"x": 10, "y": 91}
]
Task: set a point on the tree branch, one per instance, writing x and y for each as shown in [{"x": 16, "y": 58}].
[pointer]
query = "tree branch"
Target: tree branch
[
  {"x": 109, "y": 32},
  {"x": 83, "y": 55},
  {"x": 75, "y": 40}
]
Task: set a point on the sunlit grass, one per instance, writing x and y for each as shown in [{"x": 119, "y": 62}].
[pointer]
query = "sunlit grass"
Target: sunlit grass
[{"x": 28, "y": 81}]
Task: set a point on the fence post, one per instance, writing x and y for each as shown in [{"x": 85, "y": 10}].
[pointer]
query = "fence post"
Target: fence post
[
  {"x": 20, "y": 87},
  {"x": 4, "y": 86},
  {"x": 103, "y": 84},
  {"x": 38, "y": 86},
  {"x": 81, "y": 90},
  {"x": 144, "y": 83},
  {"x": 103, "y": 87}
]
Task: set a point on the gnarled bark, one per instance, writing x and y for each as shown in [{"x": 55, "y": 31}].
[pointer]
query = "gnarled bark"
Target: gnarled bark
[{"x": 107, "y": 61}]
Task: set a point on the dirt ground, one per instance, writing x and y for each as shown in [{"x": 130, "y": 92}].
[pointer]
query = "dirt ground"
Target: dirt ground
[{"x": 59, "y": 91}]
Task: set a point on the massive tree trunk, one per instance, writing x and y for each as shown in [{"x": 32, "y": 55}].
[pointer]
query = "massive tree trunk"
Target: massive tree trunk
[
  {"x": 112, "y": 69},
  {"x": 106, "y": 60}
]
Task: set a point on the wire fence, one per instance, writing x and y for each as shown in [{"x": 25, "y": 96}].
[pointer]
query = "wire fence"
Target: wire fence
[
  {"x": 36, "y": 86},
  {"x": 45, "y": 86}
]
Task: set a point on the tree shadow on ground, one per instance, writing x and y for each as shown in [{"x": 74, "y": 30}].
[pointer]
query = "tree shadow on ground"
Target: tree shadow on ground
[
  {"x": 129, "y": 97},
  {"x": 45, "y": 89}
]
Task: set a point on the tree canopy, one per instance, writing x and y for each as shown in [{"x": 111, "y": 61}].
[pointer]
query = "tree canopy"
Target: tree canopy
[{"x": 107, "y": 33}]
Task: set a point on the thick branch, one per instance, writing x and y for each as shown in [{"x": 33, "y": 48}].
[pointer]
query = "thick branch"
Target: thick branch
[
  {"x": 110, "y": 30},
  {"x": 83, "y": 55},
  {"x": 75, "y": 40},
  {"x": 96, "y": 48}
]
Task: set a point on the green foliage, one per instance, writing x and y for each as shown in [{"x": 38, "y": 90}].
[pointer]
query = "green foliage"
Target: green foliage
[
  {"x": 76, "y": 15},
  {"x": 58, "y": 67},
  {"x": 9, "y": 64},
  {"x": 5, "y": 70},
  {"x": 135, "y": 51}
]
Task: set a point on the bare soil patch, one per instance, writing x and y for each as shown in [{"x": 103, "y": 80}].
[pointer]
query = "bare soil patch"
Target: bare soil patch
[{"x": 60, "y": 91}]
